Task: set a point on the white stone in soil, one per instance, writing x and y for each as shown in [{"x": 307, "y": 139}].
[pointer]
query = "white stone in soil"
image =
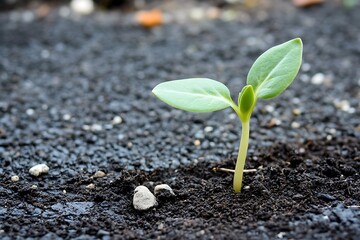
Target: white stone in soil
[
  {"x": 15, "y": 178},
  {"x": 318, "y": 79},
  {"x": 163, "y": 187},
  {"x": 83, "y": 7},
  {"x": 99, "y": 174},
  {"x": 116, "y": 120},
  {"x": 208, "y": 129},
  {"x": 30, "y": 112},
  {"x": 39, "y": 169},
  {"x": 143, "y": 199},
  {"x": 96, "y": 127}
]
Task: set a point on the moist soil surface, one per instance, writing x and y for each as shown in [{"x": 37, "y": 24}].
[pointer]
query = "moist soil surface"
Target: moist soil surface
[{"x": 76, "y": 95}]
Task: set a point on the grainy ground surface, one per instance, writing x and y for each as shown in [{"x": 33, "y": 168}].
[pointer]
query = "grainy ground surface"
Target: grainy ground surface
[{"x": 63, "y": 80}]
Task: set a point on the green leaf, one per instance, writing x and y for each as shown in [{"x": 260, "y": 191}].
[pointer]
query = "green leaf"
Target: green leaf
[
  {"x": 275, "y": 69},
  {"x": 194, "y": 94},
  {"x": 246, "y": 99},
  {"x": 246, "y": 102}
]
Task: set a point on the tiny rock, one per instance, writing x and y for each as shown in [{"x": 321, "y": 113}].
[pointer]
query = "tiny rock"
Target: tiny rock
[
  {"x": 96, "y": 127},
  {"x": 161, "y": 226},
  {"x": 90, "y": 186},
  {"x": 197, "y": 142},
  {"x": 150, "y": 18},
  {"x": 34, "y": 186},
  {"x": 30, "y": 112},
  {"x": 66, "y": 117},
  {"x": 39, "y": 169},
  {"x": 296, "y": 111},
  {"x": 163, "y": 187},
  {"x": 83, "y": 7},
  {"x": 143, "y": 199},
  {"x": 269, "y": 108},
  {"x": 208, "y": 129},
  {"x": 15, "y": 178},
  {"x": 116, "y": 120},
  {"x": 274, "y": 122},
  {"x": 99, "y": 174},
  {"x": 344, "y": 105},
  {"x": 295, "y": 125},
  {"x": 318, "y": 79}
]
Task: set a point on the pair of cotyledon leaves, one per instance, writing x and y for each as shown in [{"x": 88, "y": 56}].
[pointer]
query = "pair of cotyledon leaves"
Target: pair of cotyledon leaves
[{"x": 270, "y": 75}]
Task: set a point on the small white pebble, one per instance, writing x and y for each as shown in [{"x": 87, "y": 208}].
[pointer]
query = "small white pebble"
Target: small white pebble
[
  {"x": 197, "y": 142},
  {"x": 39, "y": 169},
  {"x": 116, "y": 120},
  {"x": 351, "y": 110},
  {"x": 281, "y": 235},
  {"x": 34, "y": 186},
  {"x": 96, "y": 127},
  {"x": 163, "y": 187},
  {"x": 329, "y": 137},
  {"x": 246, "y": 187},
  {"x": 197, "y": 13},
  {"x": 86, "y": 127},
  {"x": 99, "y": 174},
  {"x": 161, "y": 226},
  {"x": 90, "y": 186},
  {"x": 269, "y": 108},
  {"x": 296, "y": 111},
  {"x": 318, "y": 79},
  {"x": 30, "y": 112},
  {"x": 332, "y": 131},
  {"x": 15, "y": 178},
  {"x": 296, "y": 100},
  {"x": 64, "y": 191},
  {"x": 343, "y": 105},
  {"x": 67, "y": 117},
  {"x": 302, "y": 150},
  {"x": 129, "y": 144},
  {"x": 295, "y": 125},
  {"x": 83, "y": 7},
  {"x": 208, "y": 129},
  {"x": 143, "y": 199},
  {"x": 274, "y": 122}
]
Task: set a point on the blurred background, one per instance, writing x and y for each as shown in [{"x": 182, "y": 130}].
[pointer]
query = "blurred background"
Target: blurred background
[{"x": 76, "y": 79}]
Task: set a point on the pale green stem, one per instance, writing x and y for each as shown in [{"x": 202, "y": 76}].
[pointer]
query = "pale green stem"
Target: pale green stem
[{"x": 240, "y": 163}]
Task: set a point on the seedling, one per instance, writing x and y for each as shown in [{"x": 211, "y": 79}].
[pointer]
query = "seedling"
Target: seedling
[{"x": 269, "y": 76}]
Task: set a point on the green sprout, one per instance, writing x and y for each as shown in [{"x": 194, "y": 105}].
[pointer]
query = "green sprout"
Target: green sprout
[{"x": 269, "y": 76}]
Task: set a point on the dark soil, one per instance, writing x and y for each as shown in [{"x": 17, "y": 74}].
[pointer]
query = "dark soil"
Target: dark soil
[{"x": 63, "y": 80}]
